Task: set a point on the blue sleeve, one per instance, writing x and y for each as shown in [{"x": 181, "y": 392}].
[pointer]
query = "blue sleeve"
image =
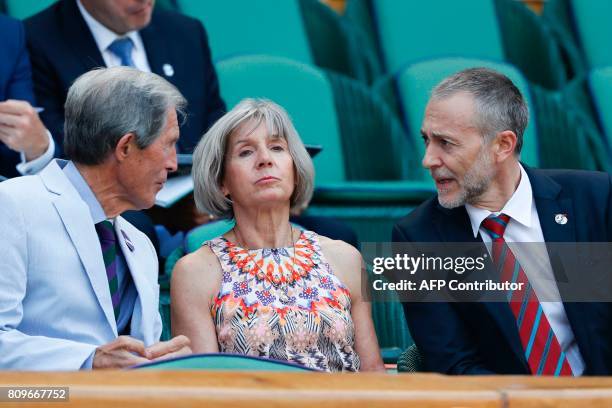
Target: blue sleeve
[{"x": 20, "y": 82}]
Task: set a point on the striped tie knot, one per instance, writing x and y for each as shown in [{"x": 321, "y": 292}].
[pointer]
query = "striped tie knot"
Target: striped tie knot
[{"x": 495, "y": 226}]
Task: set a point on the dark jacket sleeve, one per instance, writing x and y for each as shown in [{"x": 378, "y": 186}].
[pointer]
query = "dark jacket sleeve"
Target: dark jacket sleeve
[
  {"x": 49, "y": 92},
  {"x": 439, "y": 332},
  {"x": 18, "y": 81}
]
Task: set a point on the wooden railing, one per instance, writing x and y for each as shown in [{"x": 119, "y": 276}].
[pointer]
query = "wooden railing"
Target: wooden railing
[{"x": 265, "y": 389}]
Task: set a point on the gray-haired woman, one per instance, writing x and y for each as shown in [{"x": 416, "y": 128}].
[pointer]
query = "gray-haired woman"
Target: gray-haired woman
[{"x": 267, "y": 288}]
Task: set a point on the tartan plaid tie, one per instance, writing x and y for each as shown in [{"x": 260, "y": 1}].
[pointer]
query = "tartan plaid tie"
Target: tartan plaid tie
[
  {"x": 542, "y": 349},
  {"x": 108, "y": 242}
]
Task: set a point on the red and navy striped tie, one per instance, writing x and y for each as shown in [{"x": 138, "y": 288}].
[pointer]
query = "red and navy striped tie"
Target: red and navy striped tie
[
  {"x": 542, "y": 349},
  {"x": 108, "y": 241}
]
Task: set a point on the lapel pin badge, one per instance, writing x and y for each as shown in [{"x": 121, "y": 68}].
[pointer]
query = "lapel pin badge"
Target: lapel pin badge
[
  {"x": 561, "y": 219},
  {"x": 128, "y": 243},
  {"x": 168, "y": 70}
]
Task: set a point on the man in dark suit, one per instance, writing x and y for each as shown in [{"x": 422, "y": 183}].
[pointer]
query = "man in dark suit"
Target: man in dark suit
[
  {"x": 473, "y": 129},
  {"x": 74, "y": 36},
  {"x": 25, "y": 145}
]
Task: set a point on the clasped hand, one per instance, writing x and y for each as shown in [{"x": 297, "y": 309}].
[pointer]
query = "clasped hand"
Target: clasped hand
[{"x": 127, "y": 351}]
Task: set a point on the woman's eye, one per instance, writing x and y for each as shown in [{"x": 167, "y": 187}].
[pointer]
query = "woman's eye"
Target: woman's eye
[
  {"x": 278, "y": 148},
  {"x": 244, "y": 153}
]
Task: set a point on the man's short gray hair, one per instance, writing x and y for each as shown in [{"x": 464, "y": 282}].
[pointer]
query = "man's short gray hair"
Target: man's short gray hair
[
  {"x": 106, "y": 103},
  {"x": 210, "y": 154},
  {"x": 499, "y": 104}
]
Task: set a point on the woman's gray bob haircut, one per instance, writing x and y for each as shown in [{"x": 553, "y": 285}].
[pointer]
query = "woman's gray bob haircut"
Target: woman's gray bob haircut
[
  {"x": 209, "y": 156},
  {"x": 106, "y": 103}
]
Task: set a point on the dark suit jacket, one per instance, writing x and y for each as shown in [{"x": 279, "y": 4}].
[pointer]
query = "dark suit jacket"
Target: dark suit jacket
[
  {"x": 62, "y": 48},
  {"x": 15, "y": 80},
  {"x": 481, "y": 338}
]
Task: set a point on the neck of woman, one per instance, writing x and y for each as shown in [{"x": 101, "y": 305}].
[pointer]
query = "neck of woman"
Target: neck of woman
[{"x": 263, "y": 228}]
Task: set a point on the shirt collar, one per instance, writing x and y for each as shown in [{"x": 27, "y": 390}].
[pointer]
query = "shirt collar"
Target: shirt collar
[
  {"x": 518, "y": 207},
  {"x": 81, "y": 186},
  {"x": 102, "y": 35}
]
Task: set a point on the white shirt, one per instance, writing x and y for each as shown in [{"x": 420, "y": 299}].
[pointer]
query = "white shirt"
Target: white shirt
[
  {"x": 524, "y": 227},
  {"x": 26, "y": 168},
  {"x": 105, "y": 37}
]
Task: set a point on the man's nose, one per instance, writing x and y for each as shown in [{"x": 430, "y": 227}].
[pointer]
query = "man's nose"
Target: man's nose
[
  {"x": 172, "y": 164},
  {"x": 431, "y": 158}
]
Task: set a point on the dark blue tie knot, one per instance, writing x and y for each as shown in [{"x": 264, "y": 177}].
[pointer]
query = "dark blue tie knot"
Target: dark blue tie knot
[
  {"x": 106, "y": 231},
  {"x": 122, "y": 48}
]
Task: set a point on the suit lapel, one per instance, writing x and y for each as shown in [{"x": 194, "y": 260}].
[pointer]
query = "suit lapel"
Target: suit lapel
[
  {"x": 77, "y": 35},
  {"x": 78, "y": 223},
  {"x": 156, "y": 46},
  {"x": 455, "y": 226},
  {"x": 550, "y": 202},
  {"x": 134, "y": 255}
]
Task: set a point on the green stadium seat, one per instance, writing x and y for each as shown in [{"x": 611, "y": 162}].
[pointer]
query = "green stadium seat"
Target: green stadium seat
[
  {"x": 336, "y": 45},
  {"x": 567, "y": 135},
  {"x": 600, "y": 84},
  {"x": 411, "y": 31},
  {"x": 416, "y": 82},
  {"x": 582, "y": 29},
  {"x": 222, "y": 361},
  {"x": 23, "y": 9},
  {"x": 408, "y": 32},
  {"x": 530, "y": 45},
  {"x": 241, "y": 27}
]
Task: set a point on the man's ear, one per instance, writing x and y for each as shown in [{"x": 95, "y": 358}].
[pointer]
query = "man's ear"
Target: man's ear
[
  {"x": 125, "y": 146},
  {"x": 505, "y": 143}
]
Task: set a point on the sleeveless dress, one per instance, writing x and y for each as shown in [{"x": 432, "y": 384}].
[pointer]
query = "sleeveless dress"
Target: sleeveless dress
[{"x": 282, "y": 306}]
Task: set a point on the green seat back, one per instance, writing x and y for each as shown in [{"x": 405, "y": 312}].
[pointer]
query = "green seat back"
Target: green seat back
[
  {"x": 592, "y": 23},
  {"x": 410, "y": 31},
  {"x": 220, "y": 361},
  {"x": 302, "y": 90},
  {"x": 240, "y": 27},
  {"x": 601, "y": 88},
  {"x": 23, "y": 9},
  {"x": 416, "y": 82},
  {"x": 197, "y": 236}
]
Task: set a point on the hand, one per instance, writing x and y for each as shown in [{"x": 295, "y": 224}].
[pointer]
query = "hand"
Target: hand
[
  {"x": 175, "y": 347},
  {"x": 22, "y": 130},
  {"x": 123, "y": 352}
]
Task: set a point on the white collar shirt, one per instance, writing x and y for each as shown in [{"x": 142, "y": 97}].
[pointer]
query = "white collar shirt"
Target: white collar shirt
[
  {"x": 525, "y": 238},
  {"x": 105, "y": 37}
]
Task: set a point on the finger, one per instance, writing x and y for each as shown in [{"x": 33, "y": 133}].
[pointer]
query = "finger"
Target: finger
[
  {"x": 129, "y": 344},
  {"x": 122, "y": 359},
  {"x": 185, "y": 351},
  {"x": 132, "y": 360},
  {"x": 11, "y": 120},
  {"x": 15, "y": 107},
  {"x": 165, "y": 347}
]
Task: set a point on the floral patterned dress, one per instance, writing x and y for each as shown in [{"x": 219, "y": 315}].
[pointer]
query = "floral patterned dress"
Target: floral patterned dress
[{"x": 284, "y": 304}]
